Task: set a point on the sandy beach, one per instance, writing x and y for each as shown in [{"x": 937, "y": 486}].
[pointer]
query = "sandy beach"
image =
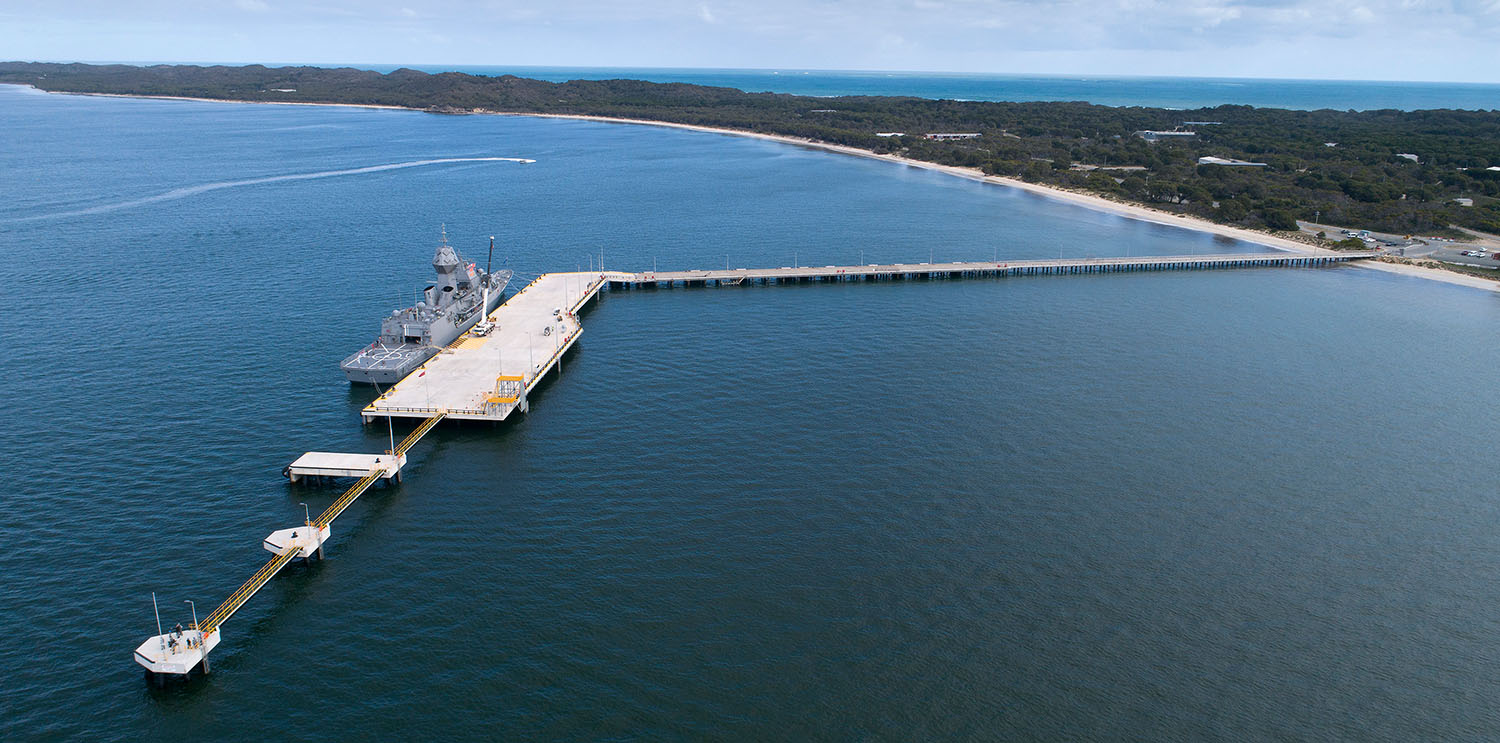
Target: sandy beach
[{"x": 1087, "y": 200}]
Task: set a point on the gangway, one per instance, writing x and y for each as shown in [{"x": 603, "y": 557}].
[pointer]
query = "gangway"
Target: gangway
[
  {"x": 417, "y": 434},
  {"x": 179, "y": 652}
]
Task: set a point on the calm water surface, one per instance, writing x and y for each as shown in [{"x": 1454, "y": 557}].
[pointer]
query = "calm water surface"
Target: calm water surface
[{"x": 1226, "y": 505}]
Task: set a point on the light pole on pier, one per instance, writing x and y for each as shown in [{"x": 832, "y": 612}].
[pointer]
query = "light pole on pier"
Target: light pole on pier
[
  {"x": 189, "y": 602},
  {"x": 159, "y": 634}
]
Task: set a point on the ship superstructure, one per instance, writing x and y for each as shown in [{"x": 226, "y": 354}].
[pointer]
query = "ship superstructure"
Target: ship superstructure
[{"x": 461, "y": 296}]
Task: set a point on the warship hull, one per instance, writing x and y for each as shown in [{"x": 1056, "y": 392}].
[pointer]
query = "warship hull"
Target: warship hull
[
  {"x": 460, "y": 297},
  {"x": 382, "y": 363}
]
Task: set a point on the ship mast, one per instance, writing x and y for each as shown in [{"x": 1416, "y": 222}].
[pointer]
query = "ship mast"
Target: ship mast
[
  {"x": 487, "y": 282},
  {"x": 484, "y": 326}
]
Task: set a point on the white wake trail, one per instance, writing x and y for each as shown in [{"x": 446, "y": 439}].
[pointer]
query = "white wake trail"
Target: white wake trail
[{"x": 182, "y": 193}]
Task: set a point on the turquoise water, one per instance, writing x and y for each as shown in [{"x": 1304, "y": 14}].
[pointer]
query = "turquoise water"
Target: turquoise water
[
  {"x": 1108, "y": 90},
  {"x": 1222, "y": 505}
]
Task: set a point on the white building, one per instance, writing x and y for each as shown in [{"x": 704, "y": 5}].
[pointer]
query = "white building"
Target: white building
[
  {"x": 1154, "y": 136},
  {"x": 1210, "y": 160}
]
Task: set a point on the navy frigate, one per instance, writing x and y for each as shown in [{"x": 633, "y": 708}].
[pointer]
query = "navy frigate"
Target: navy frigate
[{"x": 450, "y": 306}]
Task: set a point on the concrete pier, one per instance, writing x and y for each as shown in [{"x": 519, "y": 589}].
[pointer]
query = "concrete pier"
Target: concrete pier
[
  {"x": 487, "y": 373},
  {"x": 335, "y": 464},
  {"x": 486, "y": 377},
  {"x": 993, "y": 269}
]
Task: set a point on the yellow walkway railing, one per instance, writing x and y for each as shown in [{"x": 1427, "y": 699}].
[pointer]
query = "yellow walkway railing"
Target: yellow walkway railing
[
  {"x": 239, "y": 597},
  {"x": 354, "y": 491},
  {"x": 269, "y": 570},
  {"x": 416, "y": 435}
]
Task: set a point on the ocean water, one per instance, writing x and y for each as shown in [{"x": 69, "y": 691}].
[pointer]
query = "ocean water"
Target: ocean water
[
  {"x": 1108, "y": 90},
  {"x": 1229, "y": 505}
]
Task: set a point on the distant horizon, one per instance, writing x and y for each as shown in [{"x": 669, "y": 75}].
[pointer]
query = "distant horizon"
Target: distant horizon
[
  {"x": 459, "y": 67},
  {"x": 1424, "y": 41}
]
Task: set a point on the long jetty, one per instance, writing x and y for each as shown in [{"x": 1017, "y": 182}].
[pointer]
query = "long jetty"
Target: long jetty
[
  {"x": 978, "y": 269},
  {"x": 488, "y": 374}
]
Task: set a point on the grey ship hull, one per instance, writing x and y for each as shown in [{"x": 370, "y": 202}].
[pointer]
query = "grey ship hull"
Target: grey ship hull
[{"x": 382, "y": 363}]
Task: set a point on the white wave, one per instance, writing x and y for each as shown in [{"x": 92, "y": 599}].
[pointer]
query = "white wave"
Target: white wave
[{"x": 182, "y": 193}]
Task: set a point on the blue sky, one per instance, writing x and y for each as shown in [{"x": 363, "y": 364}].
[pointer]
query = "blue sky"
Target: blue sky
[{"x": 1450, "y": 40}]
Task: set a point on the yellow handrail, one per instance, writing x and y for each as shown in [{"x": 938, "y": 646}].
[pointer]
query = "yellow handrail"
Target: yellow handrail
[
  {"x": 243, "y": 594},
  {"x": 416, "y": 435},
  {"x": 354, "y": 491},
  {"x": 267, "y": 571}
]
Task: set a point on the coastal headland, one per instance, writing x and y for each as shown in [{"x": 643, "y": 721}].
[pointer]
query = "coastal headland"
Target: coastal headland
[{"x": 1225, "y": 205}]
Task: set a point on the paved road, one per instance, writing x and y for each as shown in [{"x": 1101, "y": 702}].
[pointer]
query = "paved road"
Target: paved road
[
  {"x": 1447, "y": 251},
  {"x": 1451, "y": 253}
]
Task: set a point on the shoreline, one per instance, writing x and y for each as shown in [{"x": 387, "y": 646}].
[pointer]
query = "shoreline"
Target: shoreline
[{"x": 1077, "y": 198}]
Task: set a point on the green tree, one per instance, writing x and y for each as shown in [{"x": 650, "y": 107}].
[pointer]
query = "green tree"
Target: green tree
[{"x": 1279, "y": 219}]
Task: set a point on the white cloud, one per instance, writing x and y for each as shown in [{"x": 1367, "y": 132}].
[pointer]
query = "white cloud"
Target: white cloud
[{"x": 1437, "y": 39}]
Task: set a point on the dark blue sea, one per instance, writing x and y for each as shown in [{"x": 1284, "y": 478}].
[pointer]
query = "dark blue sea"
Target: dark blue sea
[
  {"x": 1235, "y": 505},
  {"x": 1108, "y": 90}
]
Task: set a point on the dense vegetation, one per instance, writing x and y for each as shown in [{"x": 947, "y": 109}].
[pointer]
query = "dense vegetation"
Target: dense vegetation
[{"x": 1358, "y": 180}]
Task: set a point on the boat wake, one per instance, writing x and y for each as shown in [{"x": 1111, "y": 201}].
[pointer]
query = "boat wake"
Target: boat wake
[{"x": 182, "y": 193}]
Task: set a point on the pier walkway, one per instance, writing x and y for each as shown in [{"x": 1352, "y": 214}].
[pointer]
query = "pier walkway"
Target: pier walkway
[
  {"x": 903, "y": 271},
  {"x": 178, "y": 653},
  {"x": 486, "y": 374}
]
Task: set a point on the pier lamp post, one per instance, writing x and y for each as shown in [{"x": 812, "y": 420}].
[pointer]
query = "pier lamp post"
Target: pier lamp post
[
  {"x": 306, "y": 516},
  {"x": 189, "y": 602},
  {"x": 159, "y": 634}
]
